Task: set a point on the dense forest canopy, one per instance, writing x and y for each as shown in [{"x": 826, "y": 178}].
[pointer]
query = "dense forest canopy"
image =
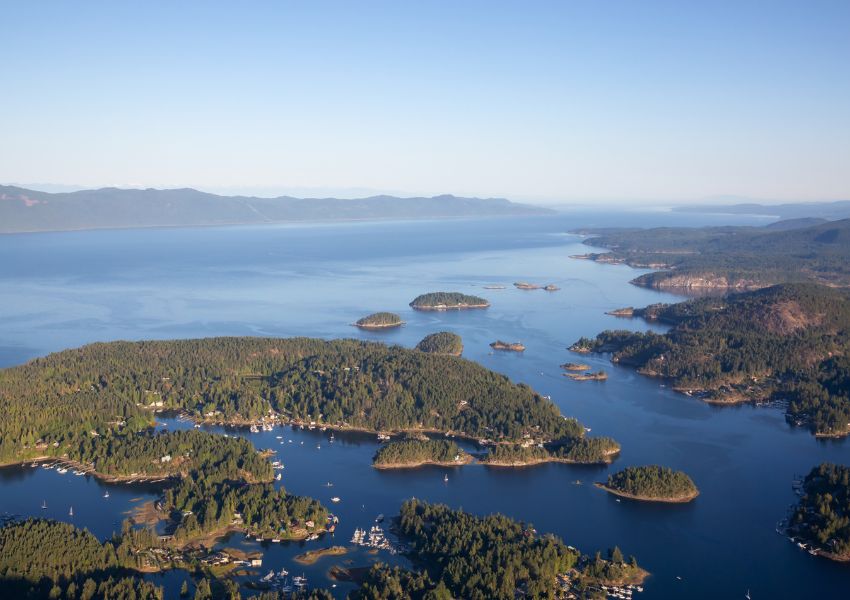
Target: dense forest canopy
[
  {"x": 217, "y": 477},
  {"x": 65, "y": 396},
  {"x": 418, "y": 451},
  {"x": 483, "y": 557},
  {"x": 163, "y": 454},
  {"x": 652, "y": 481},
  {"x": 597, "y": 450},
  {"x": 442, "y": 342},
  {"x": 448, "y": 300},
  {"x": 822, "y": 515},
  {"x": 733, "y": 257},
  {"x": 48, "y": 559},
  {"x": 789, "y": 341}
]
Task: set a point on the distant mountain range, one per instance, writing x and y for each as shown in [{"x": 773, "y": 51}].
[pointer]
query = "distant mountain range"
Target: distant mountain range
[
  {"x": 23, "y": 210},
  {"x": 839, "y": 209}
]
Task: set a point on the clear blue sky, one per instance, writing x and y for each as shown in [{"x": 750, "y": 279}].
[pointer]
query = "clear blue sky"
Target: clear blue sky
[{"x": 532, "y": 100}]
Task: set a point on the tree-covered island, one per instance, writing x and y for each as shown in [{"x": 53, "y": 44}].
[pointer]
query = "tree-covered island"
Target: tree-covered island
[
  {"x": 442, "y": 342},
  {"x": 416, "y": 453},
  {"x": 53, "y": 404},
  {"x": 379, "y": 320},
  {"x": 821, "y": 518},
  {"x": 651, "y": 483},
  {"x": 448, "y": 301},
  {"x": 789, "y": 342}
]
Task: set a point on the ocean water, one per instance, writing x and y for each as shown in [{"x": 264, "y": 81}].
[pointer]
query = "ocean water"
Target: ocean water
[{"x": 60, "y": 290}]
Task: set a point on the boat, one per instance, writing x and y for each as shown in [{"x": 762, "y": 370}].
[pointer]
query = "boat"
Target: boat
[
  {"x": 254, "y": 429},
  {"x": 335, "y": 499},
  {"x": 379, "y": 518},
  {"x": 106, "y": 494},
  {"x": 71, "y": 512},
  {"x": 446, "y": 477},
  {"x": 747, "y": 595},
  {"x": 44, "y": 505},
  {"x": 278, "y": 477},
  {"x": 329, "y": 484}
]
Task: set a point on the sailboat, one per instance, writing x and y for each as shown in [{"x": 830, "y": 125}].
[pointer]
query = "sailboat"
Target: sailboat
[
  {"x": 106, "y": 494},
  {"x": 44, "y": 504},
  {"x": 446, "y": 477},
  {"x": 71, "y": 512},
  {"x": 748, "y": 595}
]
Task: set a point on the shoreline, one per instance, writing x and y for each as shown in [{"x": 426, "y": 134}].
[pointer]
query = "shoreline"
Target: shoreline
[
  {"x": 87, "y": 470},
  {"x": 467, "y": 459},
  {"x": 609, "y": 458},
  {"x": 442, "y": 307},
  {"x": 676, "y": 500},
  {"x": 386, "y": 326}
]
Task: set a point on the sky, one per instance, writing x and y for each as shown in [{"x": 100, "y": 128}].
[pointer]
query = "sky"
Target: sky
[{"x": 548, "y": 101}]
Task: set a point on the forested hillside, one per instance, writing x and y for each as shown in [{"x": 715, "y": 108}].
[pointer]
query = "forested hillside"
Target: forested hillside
[
  {"x": 730, "y": 257},
  {"x": 63, "y": 397},
  {"x": 788, "y": 342}
]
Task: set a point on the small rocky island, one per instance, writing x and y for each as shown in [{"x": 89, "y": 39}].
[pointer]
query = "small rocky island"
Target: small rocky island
[
  {"x": 507, "y": 346},
  {"x": 524, "y": 285},
  {"x": 598, "y": 376},
  {"x": 442, "y": 342},
  {"x": 571, "y": 366},
  {"x": 380, "y": 320},
  {"x": 651, "y": 483},
  {"x": 411, "y": 453},
  {"x": 448, "y": 301}
]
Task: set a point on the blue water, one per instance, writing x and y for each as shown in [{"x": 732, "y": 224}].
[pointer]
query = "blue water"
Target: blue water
[{"x": 65, "y": 289}]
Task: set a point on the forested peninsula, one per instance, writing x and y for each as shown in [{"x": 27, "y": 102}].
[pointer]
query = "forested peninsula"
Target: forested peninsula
[
  {"x": 466, "y": 556},
  {"x": 52, "y": 403},
  {"x": 733, "y": 258},
  {"x": 787, "y": 342},
  {"x": 822, "y": 516},
  {"x": 651, "y": 483}
]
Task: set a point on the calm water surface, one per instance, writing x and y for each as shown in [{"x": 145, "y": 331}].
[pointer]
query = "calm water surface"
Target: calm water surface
[{"x": 66, "y": 289}]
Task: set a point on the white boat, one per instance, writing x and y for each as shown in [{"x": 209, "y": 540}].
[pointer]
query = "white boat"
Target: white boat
[
  {"x": 335, "y": 499},
  {"x": 106, "y": 494},
  {"x": 446, "y": 477},
  {"x": 278, "y": 477},
  {"x": 71, "y": 512},
  {"x": 44, "y": 505},
  {"x": 254, "y": 429}
]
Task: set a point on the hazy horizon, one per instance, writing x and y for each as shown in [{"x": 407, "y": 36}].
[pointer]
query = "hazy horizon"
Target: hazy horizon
[
  {"x": 549, "y": 103},
  {"x": 359, "y": 193}
]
